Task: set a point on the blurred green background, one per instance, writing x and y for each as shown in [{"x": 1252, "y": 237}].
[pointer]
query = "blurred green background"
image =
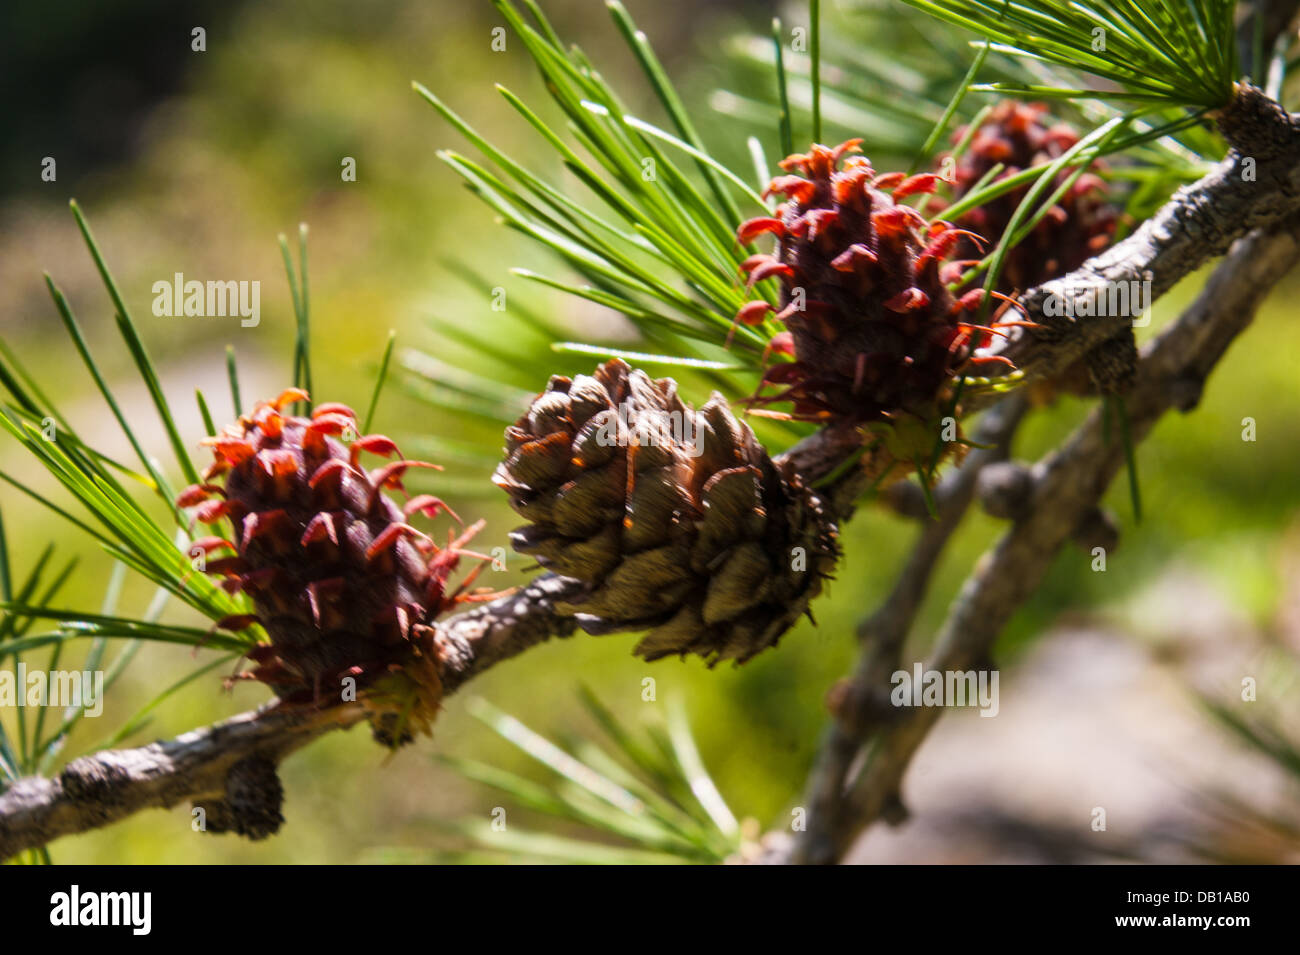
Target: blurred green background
[{"x": 193, "y": 162}]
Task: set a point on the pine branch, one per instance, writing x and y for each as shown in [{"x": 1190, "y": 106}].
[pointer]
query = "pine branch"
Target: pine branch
[
  {"x": 229, "y": 769},
  {"x": 231, "y": 766},
  {"x": 1065, "y": 489},
  {"x": 1256, "y": 187},
  {"x": 106, "y": 787}
]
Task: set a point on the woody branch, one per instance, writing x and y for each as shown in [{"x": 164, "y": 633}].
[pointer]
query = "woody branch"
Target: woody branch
[
  {"x": 229, "y": 769},
  {"x": 1201, "y": 221},
  {"x": 1256, "y": 187},
  {"x": 1063, "y": 489}
]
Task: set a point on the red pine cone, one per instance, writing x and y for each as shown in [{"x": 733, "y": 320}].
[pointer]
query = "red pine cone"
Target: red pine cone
[
  {"x": 343, "y": 585},
  {"x": 1080, "y": 225},
  {"x": 874, "y": 332}
]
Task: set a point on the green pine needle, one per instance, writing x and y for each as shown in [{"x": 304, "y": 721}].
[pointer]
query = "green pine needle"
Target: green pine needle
[
  {"x": 1174, "y": 52},
  {"x": 656, "y": 799},
  {"x": 941, "y": 127},
  {"x": 232, "y": 373},
  {"x": 815, "y": 52},
  {"x": 126, "y": 326},
  {"x": 379, "y": 381},
  {"x": 141, "y": 717},
  {"x": 663, "y": 88},
  {"x": 782, "y": 88},
  {"x": 641, "y": 358},
  {"x": 209, "y": 427},
  {"x": 659, "y": 246},
  {"x": 927, "y": 492},
  {"x": 1130, "y": 458},
  {"x": 299, "y": 293}
]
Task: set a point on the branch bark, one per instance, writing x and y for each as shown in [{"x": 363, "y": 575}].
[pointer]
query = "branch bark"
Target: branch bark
[
  {"x": 1255, "y": 188},
  {"x": 1066, "y": 486},
  {"x": 232, "y": 765},
  {"x": 229, "y": 769},
  {"x": 862, "y": 700}
]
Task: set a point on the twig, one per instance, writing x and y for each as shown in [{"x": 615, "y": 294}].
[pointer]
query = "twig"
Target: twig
[
  {"x": 233, "y": 763},
  {"x": 100, "y": 789},
  {"x": 229, "y": 769},
  {"x": 861, "y": 701},
  {"x": 1066, "y": 487},
  {"x": 1256, "y": 187}
]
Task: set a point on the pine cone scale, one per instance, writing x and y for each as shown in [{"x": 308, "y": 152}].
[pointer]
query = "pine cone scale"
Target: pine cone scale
[
  {"x": 342, "y": 584},
  {"x": 872, "y": 329},
  {"x": 665, "y": 515}
]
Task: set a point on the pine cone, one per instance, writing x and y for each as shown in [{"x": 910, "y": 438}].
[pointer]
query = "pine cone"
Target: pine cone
[
  {"x": 1080, "y": 225},
  {"x": 874, "y": 332},
  {"x": 675, "y": 520},
  {"x": 342, "y": 584}
]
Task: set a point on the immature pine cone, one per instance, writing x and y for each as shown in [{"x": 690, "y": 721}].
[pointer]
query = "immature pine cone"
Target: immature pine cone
[
  {"x": 342, "y": 584},
  {"x": 675, "y": 520},
  {"x": 874, "y": 332},
  {"x": 1079, "y": 226}
]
